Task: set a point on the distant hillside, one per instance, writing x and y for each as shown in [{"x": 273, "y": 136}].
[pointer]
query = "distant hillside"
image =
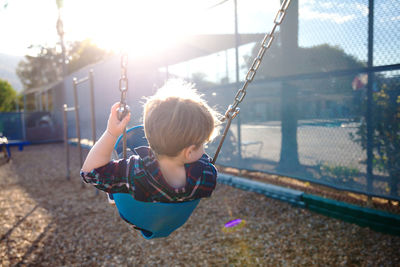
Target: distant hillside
[{"x": 8, "y": 64}]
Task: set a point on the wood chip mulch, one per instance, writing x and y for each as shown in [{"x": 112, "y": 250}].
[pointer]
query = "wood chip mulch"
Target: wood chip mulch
[{"x": 48, "y": 221}]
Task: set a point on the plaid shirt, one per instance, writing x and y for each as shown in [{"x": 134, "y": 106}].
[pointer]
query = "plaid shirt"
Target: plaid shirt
[{"x": 140, "y": 176}]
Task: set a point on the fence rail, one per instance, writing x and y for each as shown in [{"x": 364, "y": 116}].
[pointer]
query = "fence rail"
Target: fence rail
[{"x": 330, "y": 131}]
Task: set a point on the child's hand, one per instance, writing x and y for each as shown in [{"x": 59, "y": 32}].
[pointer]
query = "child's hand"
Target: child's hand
[{"x": 115, "y": 127}]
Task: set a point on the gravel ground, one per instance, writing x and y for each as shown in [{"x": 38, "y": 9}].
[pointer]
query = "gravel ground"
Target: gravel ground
[{"x": 49, "y": 221}]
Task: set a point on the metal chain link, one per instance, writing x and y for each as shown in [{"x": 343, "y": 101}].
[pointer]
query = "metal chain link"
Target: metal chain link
[
  {"x": 265, "y": 45},
  {"x": 123, "y": 109},
  {"x": 233, "y": 109},
  {"x": 123, "y": 87}
]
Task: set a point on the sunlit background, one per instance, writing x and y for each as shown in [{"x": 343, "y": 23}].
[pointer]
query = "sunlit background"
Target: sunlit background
[
  {"x": 133, "y": 25},
  {"x": 139, "y": 27}
]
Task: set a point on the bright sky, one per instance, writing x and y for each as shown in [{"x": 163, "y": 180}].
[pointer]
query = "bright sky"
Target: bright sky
[
  {"x": 144, "y": 25},
  {"x": 116, "y": 24},
  {"x": 26, "y": 22}
]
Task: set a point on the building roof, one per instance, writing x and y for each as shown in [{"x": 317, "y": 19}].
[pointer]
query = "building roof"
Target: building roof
[
  {"x": 181, "y": 50},
  {"x": 195, "y": 46}
]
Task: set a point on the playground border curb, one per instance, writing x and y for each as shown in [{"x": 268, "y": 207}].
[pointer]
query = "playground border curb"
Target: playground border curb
[
  {"x": 377, "y": 220},
  {"x": 291, "y": 196},
  {"x": 367, "y": 217}
]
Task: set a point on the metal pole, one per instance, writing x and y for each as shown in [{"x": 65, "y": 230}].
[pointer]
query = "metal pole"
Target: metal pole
[
  {"x": 92, "y": 106},
  {"x": 23, "y": 120},
  {"x": 66, "y": 140},
  {"x": 91, "y": 81},
  {"x": 40, "y": 100},
  {"x": 17, "y": 104},
  {"x": 78, "y": 128},
  {"x": 60, "y": 31},
  {"x": 369, "y": 121},
  {"x": 36, "y": 102},
  {"x": 226, "y": 66},
  {"x": 237, "y": 41},
  {"x": 47, "y": 100}
]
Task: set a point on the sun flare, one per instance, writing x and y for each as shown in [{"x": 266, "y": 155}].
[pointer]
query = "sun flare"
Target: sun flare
[{"x": 138, "y": 27}]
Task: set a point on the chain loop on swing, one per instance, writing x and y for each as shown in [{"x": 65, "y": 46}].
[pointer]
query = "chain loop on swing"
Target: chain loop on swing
[
  {"x": 123, "y": 109},
  {"x": 233, "y": 109},
  {"x": 123, "y": 87}
]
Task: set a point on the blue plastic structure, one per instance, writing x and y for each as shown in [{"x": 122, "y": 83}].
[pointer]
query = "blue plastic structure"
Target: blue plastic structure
[
  {"x": 6, "y": 144},
  {"x": 154, "y": 219}
]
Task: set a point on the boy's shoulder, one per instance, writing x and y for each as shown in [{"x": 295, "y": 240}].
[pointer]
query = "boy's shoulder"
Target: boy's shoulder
[
  {"x": 202, "y": 168},
  {"x": 205, "y": 159},
  {"x": 142, "y": 158},
  {"x": 144, "y": 153}
]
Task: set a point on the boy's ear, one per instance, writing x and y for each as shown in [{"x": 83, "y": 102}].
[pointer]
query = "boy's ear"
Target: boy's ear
[{"x": 188, "y": 152}]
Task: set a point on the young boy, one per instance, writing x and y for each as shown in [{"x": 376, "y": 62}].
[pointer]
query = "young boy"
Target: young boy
[{"x": 174, "y": 168}]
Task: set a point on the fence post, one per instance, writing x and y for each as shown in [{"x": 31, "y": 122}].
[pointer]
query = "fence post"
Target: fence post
[
  {"x": 23, "y": 119},
  {"x": 92, "y": 106},
  {"x": 78, "y": 127},
  {"x": 66, "y": 139},
  {"x": 237, "y": 42},
  {"x": 369, "y": 121}
]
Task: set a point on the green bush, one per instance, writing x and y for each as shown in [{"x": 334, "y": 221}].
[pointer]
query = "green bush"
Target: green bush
[
  {"x": 343, "y": 174},
  {"x": 8, "y": 96}
]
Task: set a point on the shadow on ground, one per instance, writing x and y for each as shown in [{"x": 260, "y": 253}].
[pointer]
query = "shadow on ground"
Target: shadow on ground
[{"x": 49, "y": 221}]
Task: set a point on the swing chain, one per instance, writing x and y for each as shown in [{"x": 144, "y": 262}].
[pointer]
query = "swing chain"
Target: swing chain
[
  {"x": 123, "y": 109},
  {"x": 123, "y": 87},
  {"x": 233, "y": 109},
  {"x": 265, "y": 45}
]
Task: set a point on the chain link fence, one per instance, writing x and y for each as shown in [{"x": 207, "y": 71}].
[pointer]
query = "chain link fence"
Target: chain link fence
[
  {"x": 33, "y": 126},
  {"x": 11, "y": 125},
  {"x": 317, "y": 118}
]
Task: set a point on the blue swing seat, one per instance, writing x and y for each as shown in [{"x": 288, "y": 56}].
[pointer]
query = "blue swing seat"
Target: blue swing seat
[{"x": 153, "y": 219}]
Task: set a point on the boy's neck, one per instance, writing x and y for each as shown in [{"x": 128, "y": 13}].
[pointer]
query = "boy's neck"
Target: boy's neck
[{"x": 173, "y": 170}]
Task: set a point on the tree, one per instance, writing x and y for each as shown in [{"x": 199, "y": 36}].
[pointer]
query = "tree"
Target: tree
[
  {"x": 8, "y": 97},
  {"x": 286, "y": 58},
  {"x": 386, "y": 125},
  {"x": 84, "y": 53},
  {"x": 42, "y": 69},
  {"x": 282, "y": 60},
  {"x": 319, "y": 58},
  {"x": 46, "y": 66},
  {"x": 289, "y": 158}
]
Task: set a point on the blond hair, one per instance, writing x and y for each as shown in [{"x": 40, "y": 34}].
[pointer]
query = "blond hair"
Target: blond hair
[{"x": 177, "y": 117}]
